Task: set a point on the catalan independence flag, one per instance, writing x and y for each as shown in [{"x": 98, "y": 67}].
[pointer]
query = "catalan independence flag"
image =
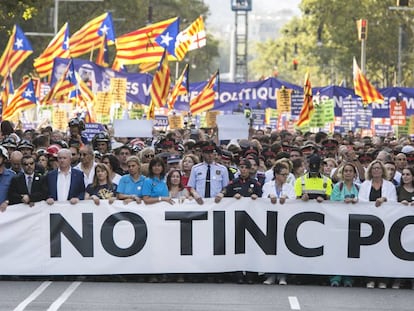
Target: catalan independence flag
[
  {"x": 161, "y": 82},
  {"x": 64, "y": 86},
  {"x": 140, "y": 46},
  {"x": 204, "y": 101},
  {"x": 364, "y": 88},
  {"x": 307, "y": 107},
  {"x": 24, "y": 98},
  {"x": 18, "y": 48},
  {"x": 58, "y": 47},
  {"x": 89, "y": 37}
]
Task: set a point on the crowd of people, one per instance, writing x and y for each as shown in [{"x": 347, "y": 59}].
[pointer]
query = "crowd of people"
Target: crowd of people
[{"x": 188, "y": 164}]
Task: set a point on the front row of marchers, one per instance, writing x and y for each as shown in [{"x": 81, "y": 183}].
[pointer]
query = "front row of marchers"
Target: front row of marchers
[{"x": 206, "y": 179}]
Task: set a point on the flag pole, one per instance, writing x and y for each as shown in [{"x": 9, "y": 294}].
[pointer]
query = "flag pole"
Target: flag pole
[{"x": 176, "y": 70}]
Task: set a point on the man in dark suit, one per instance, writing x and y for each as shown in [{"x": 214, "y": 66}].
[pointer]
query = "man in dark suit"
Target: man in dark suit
[
  {"x": 65, "y": 183},
  {"x": 28, "y": 186}
]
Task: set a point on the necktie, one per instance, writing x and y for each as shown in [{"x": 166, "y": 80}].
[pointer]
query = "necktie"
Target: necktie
[
  {"x": 29, "y": 183},
  {"x": 207, "y": 191}
]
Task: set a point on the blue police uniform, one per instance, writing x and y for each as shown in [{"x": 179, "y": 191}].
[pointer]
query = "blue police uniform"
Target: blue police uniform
[{"x": 219, "y": 178}]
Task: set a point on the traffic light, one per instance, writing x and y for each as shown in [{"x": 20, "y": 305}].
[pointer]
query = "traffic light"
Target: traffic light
[
  {"x": 402, "y": 2},
  {"x": 295, "y": 64},
  {"x": 362, "y": 25}
]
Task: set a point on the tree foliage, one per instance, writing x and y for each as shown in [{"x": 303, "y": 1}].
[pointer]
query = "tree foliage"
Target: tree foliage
[{"x": 327, "y": 40}]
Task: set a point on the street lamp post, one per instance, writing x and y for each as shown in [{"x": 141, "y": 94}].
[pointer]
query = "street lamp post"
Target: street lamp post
[{"x": 56, "y": 11}]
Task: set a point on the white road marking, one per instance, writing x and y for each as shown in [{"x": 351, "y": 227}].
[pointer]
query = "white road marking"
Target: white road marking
[
  {"x": 294, "y": 303},
  {"x": 32, "y": 296},
  {"x": 65, "y": 295}
]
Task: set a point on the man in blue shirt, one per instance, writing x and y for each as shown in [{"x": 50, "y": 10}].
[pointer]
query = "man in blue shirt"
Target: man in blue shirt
[{"x": 6, "y": 175}]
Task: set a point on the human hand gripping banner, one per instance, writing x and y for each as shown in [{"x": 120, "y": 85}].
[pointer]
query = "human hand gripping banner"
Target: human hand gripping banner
[{"x": 235, "y": 235}]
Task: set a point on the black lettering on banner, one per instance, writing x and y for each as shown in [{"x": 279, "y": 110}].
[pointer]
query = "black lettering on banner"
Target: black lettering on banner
[
  {"x": 354, "y": 233},
  {"x": 140, "y": 232},
  {"x": 394, "y": 239},
  {"x": 267, "y": 242},
  {"x": 291, "y": 234},
  {"x": 84, "y": 243},
  {"x": 219, "y": 232},
  {"x": 186, "y": 227}
]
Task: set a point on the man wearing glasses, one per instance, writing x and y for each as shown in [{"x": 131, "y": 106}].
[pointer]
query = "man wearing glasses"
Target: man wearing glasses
[{"x": 29, "y": 186}]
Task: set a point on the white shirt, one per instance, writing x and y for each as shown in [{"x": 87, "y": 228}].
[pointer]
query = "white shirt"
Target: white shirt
[
  {"x": 270, "y": 188},
  {"x": 290, "y": 179},
  {"x": 87, "y": 179},
  {"x": 63, "y": 185}
]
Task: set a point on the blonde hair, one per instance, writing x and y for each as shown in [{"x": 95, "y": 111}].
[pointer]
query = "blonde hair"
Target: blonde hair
[{"x": 368, "y": 173}]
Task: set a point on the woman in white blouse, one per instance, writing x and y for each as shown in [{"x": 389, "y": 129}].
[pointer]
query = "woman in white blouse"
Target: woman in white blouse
[
  {"x": 376, "y": 187},
  {"x": 278, "y": 189}
]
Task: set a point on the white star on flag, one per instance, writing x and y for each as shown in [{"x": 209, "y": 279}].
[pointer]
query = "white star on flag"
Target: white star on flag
[
  {"x": 28, "y": 93},
  {"x": 104, "y": 29},
  {"x": 66, "y": 44},
  {"x": 19, "y": 43},
  {"x": 165, "y": 39},
  {"x": 70, "y": 74}
]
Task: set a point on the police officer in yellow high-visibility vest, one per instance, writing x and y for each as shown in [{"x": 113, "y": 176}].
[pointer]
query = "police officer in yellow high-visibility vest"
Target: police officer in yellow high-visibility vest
[{"x": 313, "y": 185}]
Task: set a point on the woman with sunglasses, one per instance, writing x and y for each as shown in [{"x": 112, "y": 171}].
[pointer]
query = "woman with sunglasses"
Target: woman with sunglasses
[{"x": 146, "y": 154}]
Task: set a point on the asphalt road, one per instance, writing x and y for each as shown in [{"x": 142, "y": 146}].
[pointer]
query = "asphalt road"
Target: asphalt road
[{"x": 119, "y": 296}]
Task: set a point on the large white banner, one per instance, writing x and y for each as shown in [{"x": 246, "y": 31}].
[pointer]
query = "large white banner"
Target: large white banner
[{"x": 234, "y": 235}]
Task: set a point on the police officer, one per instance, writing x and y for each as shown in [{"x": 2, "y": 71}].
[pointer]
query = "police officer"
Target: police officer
[
  {"x": 242, "y": 186},
  {"x": 208, "y": 178}
]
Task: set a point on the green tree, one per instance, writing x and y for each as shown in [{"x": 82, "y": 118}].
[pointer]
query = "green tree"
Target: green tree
[{"x": 327, "y": 39}]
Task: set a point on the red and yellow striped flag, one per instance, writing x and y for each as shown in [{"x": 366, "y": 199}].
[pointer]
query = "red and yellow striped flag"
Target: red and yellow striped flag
[
  {"x": 147, "y": 67},
  {"x": 89, "y": 37},
  {"x": 18, "y": 48},
  {"x": 7, "y": 90},
  {"x": 65, "y": 85},
  {"x": 140, "y": 46},
  {"x": 24, "y": 98},
  {"x": 58, "y": 47},
  {"x": 187, "y": 37},
  {"x": 161, "y": 83},
  {"x": 307, "y": 108},
  {"x": 204, "y": 101},
  {"x": 180, "y": 87},
  {"x": 364, "y": 88}
]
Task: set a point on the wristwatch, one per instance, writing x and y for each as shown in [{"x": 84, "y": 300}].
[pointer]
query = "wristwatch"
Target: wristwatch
[{"x": 159, "y": 199}]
